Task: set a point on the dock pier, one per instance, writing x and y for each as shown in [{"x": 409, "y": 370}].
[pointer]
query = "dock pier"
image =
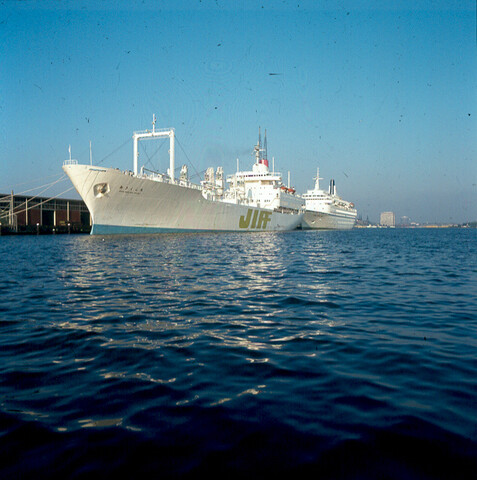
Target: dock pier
[{"x": 22, "y": 214}]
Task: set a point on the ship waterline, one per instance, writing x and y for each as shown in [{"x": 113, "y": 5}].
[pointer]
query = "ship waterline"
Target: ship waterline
[
  {"x": 130, "y": 204},
  {"x": 139, "y": 202},
  {"x": 328, "y": 221}
]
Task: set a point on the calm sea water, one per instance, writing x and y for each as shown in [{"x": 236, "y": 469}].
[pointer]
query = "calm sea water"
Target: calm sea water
[{"x": 333, "y": 354}]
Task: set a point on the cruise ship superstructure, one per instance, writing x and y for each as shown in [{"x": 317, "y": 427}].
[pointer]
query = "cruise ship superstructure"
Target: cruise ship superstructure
[
  {"x": 327, "y": 210},
  {"x": 143, "y": 201}
]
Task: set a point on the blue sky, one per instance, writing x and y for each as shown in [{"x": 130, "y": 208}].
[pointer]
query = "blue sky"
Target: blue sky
[{"x": 379, "y": 95}]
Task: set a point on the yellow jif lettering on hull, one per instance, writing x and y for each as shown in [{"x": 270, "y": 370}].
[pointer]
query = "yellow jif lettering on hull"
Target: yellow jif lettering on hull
[
  {"x": 259, "y": 219},
  {"x": 254, "y": 219},
  {"x": 244, "y": 222},
  {"x": 263, "y": 220}
]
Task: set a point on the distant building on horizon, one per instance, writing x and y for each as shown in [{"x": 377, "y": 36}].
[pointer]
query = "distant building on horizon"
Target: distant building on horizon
[
  {"x": 405, "y": 220},
  {"x": 387, "y": 219}
]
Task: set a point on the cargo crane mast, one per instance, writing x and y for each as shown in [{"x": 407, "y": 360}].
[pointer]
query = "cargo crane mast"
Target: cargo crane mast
[{"x": 166, "y": 132}]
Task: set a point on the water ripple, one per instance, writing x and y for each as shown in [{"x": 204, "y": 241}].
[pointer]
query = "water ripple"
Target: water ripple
[{"x": 194, "y": 353}]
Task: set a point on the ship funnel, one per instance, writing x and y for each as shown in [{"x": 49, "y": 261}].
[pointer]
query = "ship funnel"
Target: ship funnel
[{"x": 332, "y": 187}]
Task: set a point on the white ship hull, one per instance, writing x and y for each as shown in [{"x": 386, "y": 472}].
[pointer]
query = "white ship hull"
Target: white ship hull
[
  {"x": 327, "y": 221},
  {"x": 326, "y": 210},
  {"x": 120, "y": 202}
]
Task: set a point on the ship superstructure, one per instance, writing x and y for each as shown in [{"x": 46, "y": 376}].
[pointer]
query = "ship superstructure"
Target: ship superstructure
[
  {"x": 143, "y": 201},
  {"x": 262, "y": 188},
  {"x": 326, "y": 209}
]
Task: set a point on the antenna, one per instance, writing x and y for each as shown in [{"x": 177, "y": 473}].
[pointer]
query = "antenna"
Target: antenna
[
  {"x": 265, "y": 145},
  {"x": 317, "y": 179},
  {"x": 259, "y": 146},
  {"x": 153, "y": 122},
  {"x": 69, "y": 150},
  {"x": 90, "y": 154},
  {"x": 265, "y": 156}
]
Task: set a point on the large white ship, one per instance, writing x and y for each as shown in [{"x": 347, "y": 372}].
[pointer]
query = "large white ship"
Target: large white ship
[
  {"x": 326, "y": 210},
  {"x": 143, "y": 201}
]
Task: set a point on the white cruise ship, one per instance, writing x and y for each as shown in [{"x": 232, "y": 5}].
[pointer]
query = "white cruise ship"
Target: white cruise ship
[
  {"x": 326, "y": 210},
  {"x": 143, "y": 201}
]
